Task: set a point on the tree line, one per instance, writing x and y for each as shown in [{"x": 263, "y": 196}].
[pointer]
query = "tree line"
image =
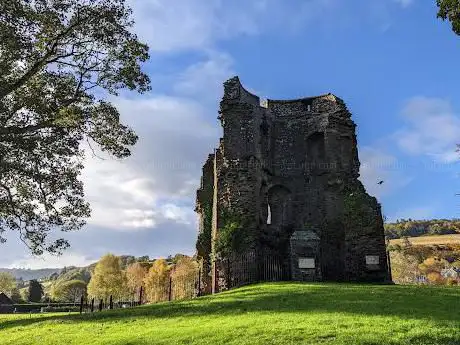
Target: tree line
[
  {"x": 414, "y": 228},
  {"x": 121, "y": 277}
]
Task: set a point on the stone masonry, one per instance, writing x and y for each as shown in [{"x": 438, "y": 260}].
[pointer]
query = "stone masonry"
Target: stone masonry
[{"x": 289, "y": 169}]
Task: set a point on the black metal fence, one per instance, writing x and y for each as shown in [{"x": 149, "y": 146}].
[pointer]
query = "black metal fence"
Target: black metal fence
[
  {"x": 235, "y": 271},
  {"x": 97, "y": 305},
  {"x": 250, "y": 268}
]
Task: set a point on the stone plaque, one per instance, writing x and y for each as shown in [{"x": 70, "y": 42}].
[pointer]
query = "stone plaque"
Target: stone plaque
[
  {"x": 372, "y": 259},
  {"x": 308, "y": 263}
]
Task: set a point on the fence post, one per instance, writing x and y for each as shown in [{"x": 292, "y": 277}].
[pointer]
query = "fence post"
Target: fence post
[
  {"x": 81, "y": 304},
  {"x": 140, "y": 294},
  {"x": 170, "y": 289},
  {"x": 100, "y": 304},
  {"x": 229, "y": 275},
  {"x": 92, "y": 305},
  {"x": 111, "y": 302},
  {"x": 198, "y": 293}
]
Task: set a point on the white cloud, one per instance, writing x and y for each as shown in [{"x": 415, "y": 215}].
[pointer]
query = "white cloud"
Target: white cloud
[
  {"x": 404, "y": 3},
  {"x": 52, "y": 261},
  {"x": 376, "y": 166},
  {"x": 196, "y": 24},
  {"x": 433, "y": 129},
  {"x": 204, "y": 79},
  {"x": 157, "y": 184}
]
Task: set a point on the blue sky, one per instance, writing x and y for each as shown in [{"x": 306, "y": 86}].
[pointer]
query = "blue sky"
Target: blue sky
[{"x": 392, "y": 61}]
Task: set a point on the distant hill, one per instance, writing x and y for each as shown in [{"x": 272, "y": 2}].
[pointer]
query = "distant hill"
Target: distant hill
[
  {"x": 29, "y": 274},
  {"x": 73, "y": 272}
]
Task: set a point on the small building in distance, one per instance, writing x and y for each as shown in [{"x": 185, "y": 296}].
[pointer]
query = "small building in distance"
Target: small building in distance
[
  {"x": 452, "y": 272},
  {"x": 6, "y": 304}
]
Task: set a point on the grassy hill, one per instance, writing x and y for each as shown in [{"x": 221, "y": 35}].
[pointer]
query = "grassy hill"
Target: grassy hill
[
  {"x": 277, "y": 313},
  {"x": 430, "y": 240},
  {"x": 29, "y": 274}
]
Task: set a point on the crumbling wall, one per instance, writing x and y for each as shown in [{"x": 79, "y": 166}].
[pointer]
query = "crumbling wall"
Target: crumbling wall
[{"x": 288, "y": 174}]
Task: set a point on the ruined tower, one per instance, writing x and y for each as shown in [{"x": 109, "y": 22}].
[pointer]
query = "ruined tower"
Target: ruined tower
[{"x": 284, "y": 180}]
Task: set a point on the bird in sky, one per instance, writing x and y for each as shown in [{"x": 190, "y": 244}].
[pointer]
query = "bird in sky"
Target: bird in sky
[{"x": 380, "y": 182}]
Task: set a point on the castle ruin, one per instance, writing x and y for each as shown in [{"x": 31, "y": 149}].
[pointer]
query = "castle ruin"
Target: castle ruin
[{"x": 285, "y": 176}]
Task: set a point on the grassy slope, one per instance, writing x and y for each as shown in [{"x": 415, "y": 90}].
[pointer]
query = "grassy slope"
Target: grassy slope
[
  {"x": 278, "y": 313},
  {"x": 430, "y": 240}
]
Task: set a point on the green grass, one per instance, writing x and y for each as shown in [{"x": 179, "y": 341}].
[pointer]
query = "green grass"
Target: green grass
[{"x": 278, "y": 313}]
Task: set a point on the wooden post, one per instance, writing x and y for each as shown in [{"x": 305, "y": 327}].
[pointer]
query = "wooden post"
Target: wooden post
[
  {"x": 92, "y": 305},
  {"x": 215, "y": 278},
  {"x": 390, "y": 275},
  {"x": 140, "y": 294},
  {"x": 170, "y": 289},
  {"x": 81, "y": 304},
  {"x": 111, "y": 302},
  {"x": 198, "y": 293},
  {"x": 229, "y": 278},
  {"x": 100, "y": 305}
]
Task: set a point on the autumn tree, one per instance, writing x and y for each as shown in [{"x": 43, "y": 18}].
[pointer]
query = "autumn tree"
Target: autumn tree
[
  {"x": 108, "y": 278},
  {"x": 70, "y": 291},
  {"x": 404, "y": 267},
  {"x": 59, "y": 60},
  {"x": 184, "y": 276},
  {"x": 35, "y": 291},
  {"x": 16, "y": 295},
  {"x": 156, "y": 281},
  {"x": 433, "y": 264},
  {"x": 7, "y": 283},
  {"x": 135, "y": 274}
]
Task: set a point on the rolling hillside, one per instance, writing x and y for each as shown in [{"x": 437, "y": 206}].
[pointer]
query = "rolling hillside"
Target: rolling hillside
[
  {"x": 277, "y": 313},
  {"x": 430, "y": 240}
]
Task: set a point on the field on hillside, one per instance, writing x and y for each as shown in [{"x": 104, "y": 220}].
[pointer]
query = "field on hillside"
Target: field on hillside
[
  {"x": 277, "y": 313},
  {"x": 430, "y": 240}
]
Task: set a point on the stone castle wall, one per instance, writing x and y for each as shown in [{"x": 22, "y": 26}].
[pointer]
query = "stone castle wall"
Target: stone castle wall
[{"x": 290, "y": 170}]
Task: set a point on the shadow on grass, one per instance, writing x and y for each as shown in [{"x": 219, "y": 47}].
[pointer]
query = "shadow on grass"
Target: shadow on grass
[{"x": 441, "y": 305}]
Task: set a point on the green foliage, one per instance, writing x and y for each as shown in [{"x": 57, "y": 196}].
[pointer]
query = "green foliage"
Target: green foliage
[
  {"x": 232, "y": 236},
  {"x": 414, "y": 228},
  {"x": 275, "y": 314},
  {"x": 7, "y": 283},
  {"x": 58, "y": 59},
  {"x": 450, "y": 10},
  {"x": 203, "y": 243},
  {"x": 60, "y": 309},
  {"x": 358, "y": 208},
  {"x": 68, "y": 291},
  {"x": 35, "y": 291},
  {"x": 16, "y": 296}
]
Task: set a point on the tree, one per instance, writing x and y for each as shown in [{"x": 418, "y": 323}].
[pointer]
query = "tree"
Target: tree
[
  {"x": 435, "y": 278},
  {"x": 184, "y": 277},
  {"x": 7, "y": 283},
  {"x": 135, "y": 274},
  {"x": 108, "y": 278},
  {"x": 58, "y": 59},
  {"x": 156, "y": 281},
  {"x": 35, "y": 291},
  {"x": 450, "y": 10},
  {"x": 16, "y": 296},
  {"x": 404, "y": 268},
  {"x": 71, "y": 290}
]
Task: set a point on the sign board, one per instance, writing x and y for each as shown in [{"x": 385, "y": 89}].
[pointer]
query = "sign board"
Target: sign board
[
  {"x": 308, "y": 263},
  {"x": 372, "y": 259}
]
